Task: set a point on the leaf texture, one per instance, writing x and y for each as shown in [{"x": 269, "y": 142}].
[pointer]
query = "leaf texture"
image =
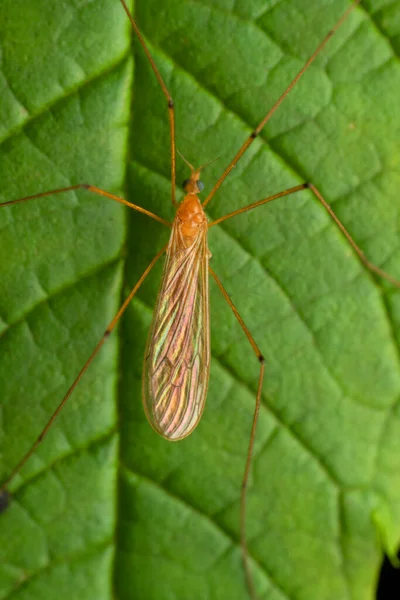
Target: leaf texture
[{"x": 106, "y": 508}]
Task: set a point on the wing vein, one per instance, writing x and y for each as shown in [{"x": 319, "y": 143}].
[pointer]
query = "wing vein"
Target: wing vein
[{"x": 177, "y": 360}]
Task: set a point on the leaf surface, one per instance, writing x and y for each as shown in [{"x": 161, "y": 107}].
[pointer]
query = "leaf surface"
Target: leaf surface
[{"x": 106, "y": 508}]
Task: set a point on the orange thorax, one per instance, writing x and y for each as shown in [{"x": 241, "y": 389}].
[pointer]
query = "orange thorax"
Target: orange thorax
[{"x": 191, "y": 215}]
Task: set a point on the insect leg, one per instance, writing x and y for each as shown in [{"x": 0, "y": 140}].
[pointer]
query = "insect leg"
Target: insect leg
[
  {"x": 171, "y": 111},
  {"x": 94, "y": 190},
  {"x": 269, "y": 114},
  {"x": 370, "y": 266},
  {"x": 239, "y": 211},
  {"x": 4, "y": 495},
  {"x": 245, "y": 480}
]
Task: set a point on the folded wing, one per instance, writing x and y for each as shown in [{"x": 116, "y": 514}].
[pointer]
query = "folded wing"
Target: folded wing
[{"x": 177, "y": 360}]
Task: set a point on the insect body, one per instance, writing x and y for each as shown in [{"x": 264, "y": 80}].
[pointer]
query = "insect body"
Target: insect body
[{"x": 177, "y": 361}]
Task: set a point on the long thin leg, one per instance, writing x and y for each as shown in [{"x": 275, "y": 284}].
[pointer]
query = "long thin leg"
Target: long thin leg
[
  {"x": 110, "y": 327},
  {"x": 239, "y": 211},
  {"x": 243, "y": 495},
  {"x": 269, "y": 114},
  {"x": 171, "y": 113},
  {"x": 94, "y": 190},
  {"x": 371, "y": 266}
]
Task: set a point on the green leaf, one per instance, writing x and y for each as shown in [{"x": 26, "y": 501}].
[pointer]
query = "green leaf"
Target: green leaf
[{"x": 106, "y": 508}]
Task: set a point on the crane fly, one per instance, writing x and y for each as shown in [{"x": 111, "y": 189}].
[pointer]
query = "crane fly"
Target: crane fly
[{"x": 177, "y": 358}]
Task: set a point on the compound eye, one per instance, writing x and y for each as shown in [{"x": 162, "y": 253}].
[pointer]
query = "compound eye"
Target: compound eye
[
  {"x": 200, "y": 185},
  {"x": 185, "y": 183}
]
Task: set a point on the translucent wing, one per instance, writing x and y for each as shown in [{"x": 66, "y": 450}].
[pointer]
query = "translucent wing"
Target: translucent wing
[{"x": 177, "y": 360}]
